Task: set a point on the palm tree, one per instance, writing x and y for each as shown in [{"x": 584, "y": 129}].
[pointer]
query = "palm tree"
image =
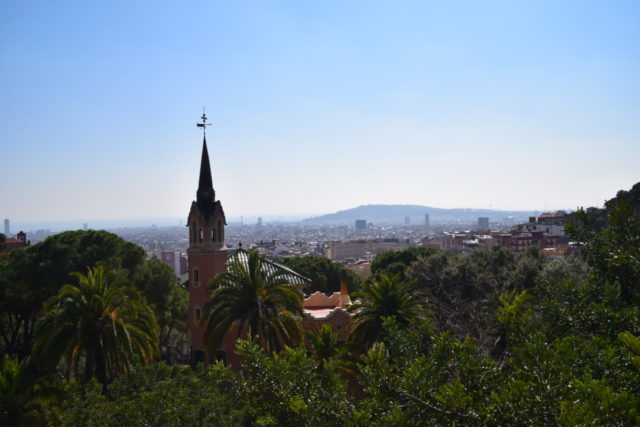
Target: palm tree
[
  {"x": 18, "y": 392},
  {"x": 325, "y": 346},
  {"x": 384, "y": 296},
  {"x": 255, "y": 297},
  {"x": 103, "y": 323}
]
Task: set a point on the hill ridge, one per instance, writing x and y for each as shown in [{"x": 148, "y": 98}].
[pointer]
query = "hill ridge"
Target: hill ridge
[{"x": 396, "y": 213}]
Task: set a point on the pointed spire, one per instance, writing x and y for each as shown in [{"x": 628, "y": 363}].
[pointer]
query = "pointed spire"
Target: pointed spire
[{"x": 205, "y": 196}]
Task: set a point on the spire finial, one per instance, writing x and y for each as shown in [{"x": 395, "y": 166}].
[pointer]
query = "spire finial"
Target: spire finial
[{"x": 204, "y": 123}]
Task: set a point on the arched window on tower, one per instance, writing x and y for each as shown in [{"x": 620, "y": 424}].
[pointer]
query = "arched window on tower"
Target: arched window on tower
[
  {"x": 201, "y": 235},
  {"x": 196, "y": 277},
  {"x": 192, "y": 232},
  {"x": 196, "y": 315},
  {"x": 214, "y": 235},
  {"x": 220, "y": 235}
]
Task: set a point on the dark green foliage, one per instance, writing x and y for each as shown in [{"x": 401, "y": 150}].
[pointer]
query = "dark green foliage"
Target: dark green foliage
[
  {"x": 464, "y": 289},
  {"x": 284, "y": 389},
  {"x": 421, "y": 378},
  {"x": 20, "y": 396},
  {"x": 35, "y": 273},
  {"x": 325, "y": 274},
  {"x": 384, "y": 297},
  {"x": 288, "y": 389},
  {"x": 157, "y": 395},
  {"x": 161, "y": 289},
  {"x": 105, "y": 324},
  {"x": 614, "y": 252},
  {"x": 514, "y": 340},
  {"x": 325, "y": 347},
  {"x": 623, "y": 196},
  {"x": 395, "y": 263}
]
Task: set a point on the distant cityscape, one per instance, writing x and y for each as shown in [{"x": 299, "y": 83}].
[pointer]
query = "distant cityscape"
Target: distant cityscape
[{"x": 355, "y": 244}]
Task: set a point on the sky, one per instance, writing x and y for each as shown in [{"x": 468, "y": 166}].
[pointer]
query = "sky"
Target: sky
[{"x": 316, "y": 106}]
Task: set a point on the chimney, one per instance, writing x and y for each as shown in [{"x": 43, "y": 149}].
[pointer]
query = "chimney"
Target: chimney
[{"x": 343, "y": 293}]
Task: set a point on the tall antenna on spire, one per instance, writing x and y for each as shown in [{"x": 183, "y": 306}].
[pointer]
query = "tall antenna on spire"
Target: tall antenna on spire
[{"x": 204, "y": 123}]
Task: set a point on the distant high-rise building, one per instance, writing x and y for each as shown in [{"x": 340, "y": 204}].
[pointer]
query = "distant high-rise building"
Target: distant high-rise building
[
  {"x": 483, "y": 223},
  {"x": 407, "y": 220},
  {"x": 361, "y": 224},
  {"x": 426, "y": 219},
  {"x": 85, "y": 226},
  {"x": 176, "y": 260},
  {"x": 7, "y": 227},
  {"x": 259, "y": 221}
]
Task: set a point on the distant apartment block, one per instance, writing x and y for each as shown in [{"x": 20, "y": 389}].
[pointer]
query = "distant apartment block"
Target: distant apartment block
[
  {"x": 176, "y": 260},
  {"x": 426, "y": 220},
  {"x": 432, "y": 242},
  {"x": 363, "y": 249},
  {"x": 551, "y": 223},
  {"x": 464, "y": 242},
  {"x": 483, "y": 223},
  {"x": 545, "y": 231},
  {"x": 518, "y": 241},
  {"x": 7, "y": 227},
  {"x": 361, "y": 224}
]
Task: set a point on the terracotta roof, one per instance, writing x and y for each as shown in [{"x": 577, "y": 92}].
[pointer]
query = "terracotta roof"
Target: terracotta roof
[{"x": 325, "y": 313}]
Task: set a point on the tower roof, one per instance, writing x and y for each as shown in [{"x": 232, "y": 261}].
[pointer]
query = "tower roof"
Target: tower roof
[{"x": 205, "y": 196}]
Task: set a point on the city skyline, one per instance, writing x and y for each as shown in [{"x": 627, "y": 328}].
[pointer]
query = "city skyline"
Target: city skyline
[{"x": 316, "y": 108}]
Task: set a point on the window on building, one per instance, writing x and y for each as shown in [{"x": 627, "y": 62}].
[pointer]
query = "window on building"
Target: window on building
[
  {"x": 220, "y": 235},
  {"x": 196, "y": 315},
  {"x": 201, "y": 235},
  {"x": 196, "y": 276}
]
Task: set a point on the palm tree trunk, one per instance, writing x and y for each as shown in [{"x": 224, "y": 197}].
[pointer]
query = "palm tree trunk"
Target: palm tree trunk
[{"x": 89, "y": 363}]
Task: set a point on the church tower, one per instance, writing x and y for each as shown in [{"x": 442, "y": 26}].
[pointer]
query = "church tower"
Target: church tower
[{"x": 207, "y": 253}]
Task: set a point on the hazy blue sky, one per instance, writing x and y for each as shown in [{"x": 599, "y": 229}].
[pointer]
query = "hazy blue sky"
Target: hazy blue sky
[{"x": 317, "y": 106}]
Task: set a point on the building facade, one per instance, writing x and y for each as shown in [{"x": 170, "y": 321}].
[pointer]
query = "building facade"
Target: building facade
[
  {"x": 363, "y": 249},
  {"x": 483, "y": 223}
]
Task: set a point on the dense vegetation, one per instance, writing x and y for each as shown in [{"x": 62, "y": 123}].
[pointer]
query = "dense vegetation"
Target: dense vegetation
[
  {"x": 325, "y": 274},
  {"x": 489, "y": 338}
]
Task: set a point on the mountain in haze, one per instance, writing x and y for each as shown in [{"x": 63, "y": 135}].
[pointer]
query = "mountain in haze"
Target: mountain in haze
[{"x": 390, "y": 214}]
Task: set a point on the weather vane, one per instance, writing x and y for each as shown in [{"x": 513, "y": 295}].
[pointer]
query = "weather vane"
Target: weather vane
[{"x": 204, "y": 123}]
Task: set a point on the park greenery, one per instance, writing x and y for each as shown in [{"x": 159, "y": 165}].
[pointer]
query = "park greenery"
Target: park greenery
[
  {"x": 487, "y": 338},
  {"x": 325, "y": 275}
]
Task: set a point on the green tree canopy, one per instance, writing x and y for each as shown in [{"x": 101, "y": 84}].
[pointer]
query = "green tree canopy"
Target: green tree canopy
[
  {"x": 35, "y": 273},
  {"x": 103, "y": 323},
  {"x": 381, "y": 297},
  {"x": 396, "y": 262},
  {"x": 325, "y": 274}
]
